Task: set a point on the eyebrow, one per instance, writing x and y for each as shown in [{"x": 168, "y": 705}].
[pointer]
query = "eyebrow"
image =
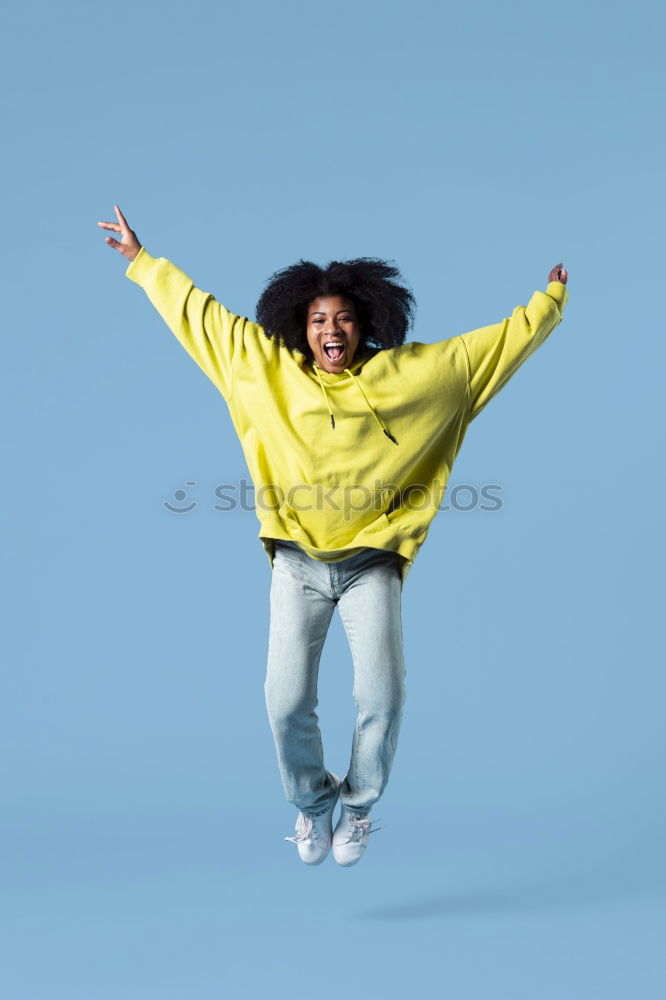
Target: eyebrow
[{"x": 320, "y": 312}]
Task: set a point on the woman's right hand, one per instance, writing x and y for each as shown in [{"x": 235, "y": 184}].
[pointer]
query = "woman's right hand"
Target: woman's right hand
[{"x": 129, "y": 245}]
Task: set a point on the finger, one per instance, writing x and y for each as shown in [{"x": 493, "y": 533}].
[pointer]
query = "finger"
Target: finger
[
  {"x": 113, "y": 243},
  {"x": 110, "y": 225},
  {"x": 120, "y": 215}
]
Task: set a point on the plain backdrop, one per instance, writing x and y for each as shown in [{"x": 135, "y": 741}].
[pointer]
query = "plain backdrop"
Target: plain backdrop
[{"x": 142, "y": 816}]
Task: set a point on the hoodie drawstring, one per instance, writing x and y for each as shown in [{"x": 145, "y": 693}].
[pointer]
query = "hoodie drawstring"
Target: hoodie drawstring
[
  {"x": 367, "y": 402},
  {"x": 321, "y": 384}
]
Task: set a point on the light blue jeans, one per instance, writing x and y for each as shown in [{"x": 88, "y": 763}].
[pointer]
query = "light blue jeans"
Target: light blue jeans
[{"x": 367, "y": 589}]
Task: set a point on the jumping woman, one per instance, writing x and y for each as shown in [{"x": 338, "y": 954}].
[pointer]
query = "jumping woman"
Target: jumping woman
[{"x": 350, "y": 433}]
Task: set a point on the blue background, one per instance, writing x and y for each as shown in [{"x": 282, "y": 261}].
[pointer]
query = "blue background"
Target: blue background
[{"x": 143, "y": 817}]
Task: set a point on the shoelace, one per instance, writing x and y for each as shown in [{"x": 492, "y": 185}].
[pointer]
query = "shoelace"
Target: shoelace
[
  {"x": 362, "y": 827},
  {"x": 306, "y": 829}
]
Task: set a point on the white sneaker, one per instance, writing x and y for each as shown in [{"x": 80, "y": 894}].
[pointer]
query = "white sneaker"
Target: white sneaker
[
  {"x": 314, "y": 834},
  {"x": 350, "y": 838}
]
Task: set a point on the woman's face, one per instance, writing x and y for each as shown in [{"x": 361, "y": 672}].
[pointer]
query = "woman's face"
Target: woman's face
[{"x": 332, "y": 320}]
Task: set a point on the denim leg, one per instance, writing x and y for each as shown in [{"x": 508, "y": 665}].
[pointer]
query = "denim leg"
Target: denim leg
[
  {"x": 300, "y": 615},
  {"x": 370, "y": 608}
]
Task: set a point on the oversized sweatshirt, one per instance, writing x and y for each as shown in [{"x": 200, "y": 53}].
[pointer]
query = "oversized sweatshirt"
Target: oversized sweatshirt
[{"x": 359, "y": 458}]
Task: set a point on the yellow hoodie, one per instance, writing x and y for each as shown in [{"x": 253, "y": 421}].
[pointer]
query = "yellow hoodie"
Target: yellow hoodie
[{"x": 361, "y": 458}]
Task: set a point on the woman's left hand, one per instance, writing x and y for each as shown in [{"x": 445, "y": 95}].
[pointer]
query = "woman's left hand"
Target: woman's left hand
[{"x": 559, "y": 273}]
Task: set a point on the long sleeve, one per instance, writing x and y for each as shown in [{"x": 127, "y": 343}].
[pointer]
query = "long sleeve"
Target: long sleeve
[
  {"x": 494, "y": 353},
  {"x": 210, "y": 334}
]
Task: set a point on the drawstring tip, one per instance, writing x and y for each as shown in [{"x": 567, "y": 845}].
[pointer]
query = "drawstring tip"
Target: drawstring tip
[
  {"x": 332, "y": 421},
  {"x": 389, "y": 435}
]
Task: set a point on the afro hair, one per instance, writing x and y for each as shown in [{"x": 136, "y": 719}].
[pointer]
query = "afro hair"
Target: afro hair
[{"x": 385, "y": 308}]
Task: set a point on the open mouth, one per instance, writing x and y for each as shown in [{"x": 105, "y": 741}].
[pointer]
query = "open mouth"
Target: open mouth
[{"x": 334, "y": 350}]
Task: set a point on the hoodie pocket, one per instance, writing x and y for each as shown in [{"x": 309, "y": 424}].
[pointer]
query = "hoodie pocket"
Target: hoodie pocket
[
  {"x": 291, "y": 522},
  {"x": 380, "y": 523}
]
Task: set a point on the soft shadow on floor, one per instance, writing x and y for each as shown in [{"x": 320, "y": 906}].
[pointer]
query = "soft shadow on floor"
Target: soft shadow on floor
[{"x": 570, "y": 889}]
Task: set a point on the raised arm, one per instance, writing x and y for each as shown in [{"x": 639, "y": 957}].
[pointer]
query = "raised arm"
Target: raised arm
[
  {"x": 210, "y": 334},
  {"x": 495, "y": 352}
]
